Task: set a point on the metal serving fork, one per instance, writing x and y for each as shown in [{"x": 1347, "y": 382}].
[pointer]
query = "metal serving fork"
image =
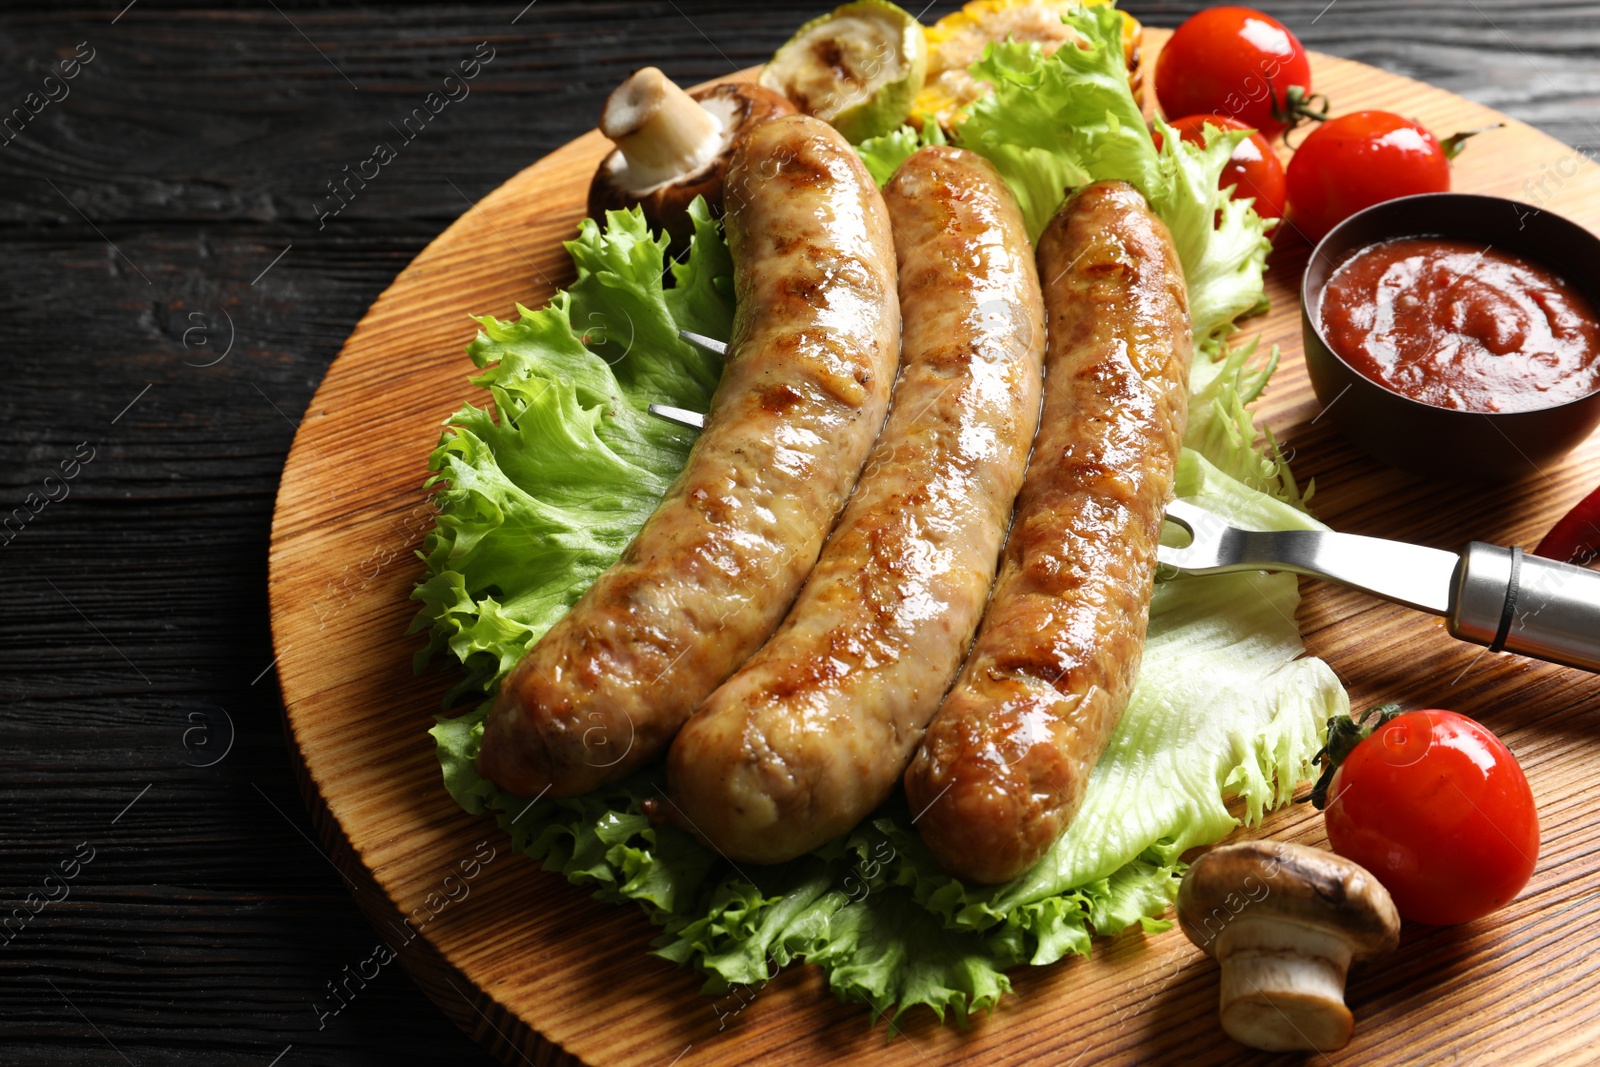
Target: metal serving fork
[{"x": 1500, "y": 597}]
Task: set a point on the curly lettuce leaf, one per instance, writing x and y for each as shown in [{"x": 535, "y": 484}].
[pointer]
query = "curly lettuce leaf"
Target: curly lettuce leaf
[
  {"x": 1059, "y": 122},
  {"x": 540, "y": 491},
  {"x": 884, "y": 154},
  {"x": 1222, "y": 382}
]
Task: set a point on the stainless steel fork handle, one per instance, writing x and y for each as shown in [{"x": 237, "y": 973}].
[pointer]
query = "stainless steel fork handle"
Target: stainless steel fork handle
[{"x": 1507, "y": 599}]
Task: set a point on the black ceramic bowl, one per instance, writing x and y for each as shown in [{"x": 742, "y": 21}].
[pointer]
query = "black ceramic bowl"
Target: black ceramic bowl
[{"x": 1440, "y": 442}]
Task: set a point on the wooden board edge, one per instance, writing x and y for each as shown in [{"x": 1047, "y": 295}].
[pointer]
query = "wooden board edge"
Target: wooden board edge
[{"x": 474, "y": 1011}]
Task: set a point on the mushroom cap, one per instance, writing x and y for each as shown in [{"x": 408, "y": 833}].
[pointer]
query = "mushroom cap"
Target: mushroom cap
[
  {"x": 1309, "y": 887},
  {"x": 742, "y": 106}
]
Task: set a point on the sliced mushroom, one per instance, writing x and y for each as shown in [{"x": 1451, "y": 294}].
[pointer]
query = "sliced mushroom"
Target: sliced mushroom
[
  {"x": 1285, "y": 921},
  {"x": 673, "y": 146}
]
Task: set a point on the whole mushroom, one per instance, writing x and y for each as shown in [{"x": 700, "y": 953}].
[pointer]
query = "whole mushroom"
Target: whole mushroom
[
  {"x": 672, "y": 146},
  {"x": 1285, "y": 921}
]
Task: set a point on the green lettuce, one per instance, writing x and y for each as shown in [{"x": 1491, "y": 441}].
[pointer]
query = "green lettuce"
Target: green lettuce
[
  {"x": 540, "y": 489},
  {"x": 889, "y": 150},
  {"x": 540, "y": 494}
]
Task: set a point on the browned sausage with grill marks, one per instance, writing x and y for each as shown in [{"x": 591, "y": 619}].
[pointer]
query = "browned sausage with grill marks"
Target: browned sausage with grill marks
[
  {"x": 1006, "y": 760},
  {"x": 815, "y": 344}
]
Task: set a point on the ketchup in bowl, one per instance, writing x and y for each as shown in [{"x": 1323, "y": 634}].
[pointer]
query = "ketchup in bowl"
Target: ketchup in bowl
[{"x": 1462, "y": 324}]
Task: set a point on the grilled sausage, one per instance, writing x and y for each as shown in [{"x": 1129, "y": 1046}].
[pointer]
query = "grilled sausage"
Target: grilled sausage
[
  {"x": 1006, "y": 760},
  {"x": 813, "y": 732},
  {"x": 712, "y": 572}
]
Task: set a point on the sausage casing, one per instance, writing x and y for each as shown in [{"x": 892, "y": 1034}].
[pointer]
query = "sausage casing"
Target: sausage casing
[
  {"x": 1005, "y": 762},
  {"x": 712, "y": 572},
  {"x": 812, "y": 733}
]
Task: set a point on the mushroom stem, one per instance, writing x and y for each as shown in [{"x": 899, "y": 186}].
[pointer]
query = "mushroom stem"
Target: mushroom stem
[
  {"x": 1283, "y": 984},
  {"x": 1285, "y": 1002},
  {"x": 661, "y": 131}
]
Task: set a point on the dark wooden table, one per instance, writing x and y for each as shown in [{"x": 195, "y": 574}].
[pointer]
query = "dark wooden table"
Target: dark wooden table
[{"x": 170, "y": 300}]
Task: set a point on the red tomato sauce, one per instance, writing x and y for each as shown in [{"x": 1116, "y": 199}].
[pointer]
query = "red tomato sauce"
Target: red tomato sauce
[{"x": 1458, "y": 324}]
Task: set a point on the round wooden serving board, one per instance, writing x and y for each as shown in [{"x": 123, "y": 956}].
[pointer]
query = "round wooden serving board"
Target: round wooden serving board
[{"x": 543, "y": 974}]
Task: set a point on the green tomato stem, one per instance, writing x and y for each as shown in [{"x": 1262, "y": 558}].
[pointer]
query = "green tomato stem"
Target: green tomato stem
[
  {"x": 1344, "y": 734},
  {"x": 1453, "y": 144}
]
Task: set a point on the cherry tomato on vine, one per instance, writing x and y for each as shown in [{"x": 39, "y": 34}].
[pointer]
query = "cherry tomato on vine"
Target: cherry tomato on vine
[
  {"x": 1238, "y": 62},
  {"x": 1254, "y": 170},
  {"x": 1435, "y": 806},
  {"x": 1360, "y": 159}
]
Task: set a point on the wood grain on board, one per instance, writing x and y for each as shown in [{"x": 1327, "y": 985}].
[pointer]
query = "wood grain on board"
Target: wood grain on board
[{"x": 541, "y": 973}]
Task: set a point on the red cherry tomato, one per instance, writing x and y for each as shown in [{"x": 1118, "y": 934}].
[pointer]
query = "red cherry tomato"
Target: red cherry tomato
[
  {"x": 1439, "y": 811},
  {"x": 1238, "y": 62},
  {"x": 1357, "y": 160},
  {"x": 1254, "y": 171}
]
